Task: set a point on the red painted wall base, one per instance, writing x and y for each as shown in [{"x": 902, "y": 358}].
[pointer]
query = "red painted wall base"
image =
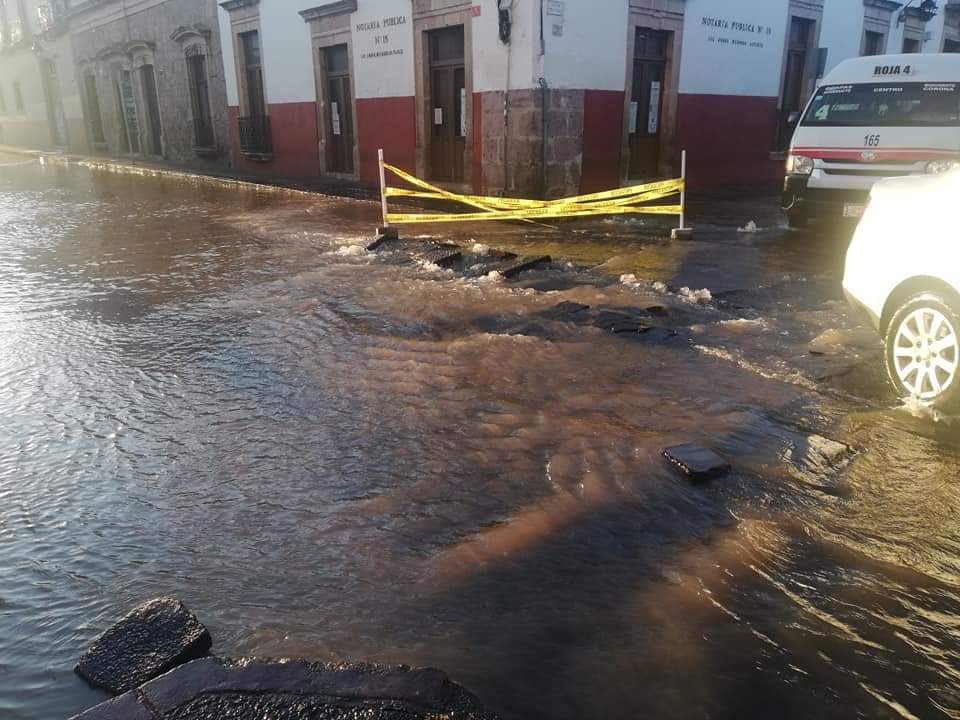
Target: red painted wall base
[
  {"x": 295, "y": 141},
  {"x": 602, "y": 140},
  {"x": 391, "y": 124},
  {"x": 728, "y": 139}
]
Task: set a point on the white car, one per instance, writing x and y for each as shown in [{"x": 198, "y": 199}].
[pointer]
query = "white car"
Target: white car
[{"x": 903, "y": 269}]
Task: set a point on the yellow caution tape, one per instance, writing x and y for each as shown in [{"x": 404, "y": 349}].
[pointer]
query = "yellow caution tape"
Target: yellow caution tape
[
  {"x": 518, "y": 204},
  {"x": 621, "y": 201},
  {"x": 417, "y": 182},
  {"x": 535, "y": 213},
  {"x": 667, "y": 187}
]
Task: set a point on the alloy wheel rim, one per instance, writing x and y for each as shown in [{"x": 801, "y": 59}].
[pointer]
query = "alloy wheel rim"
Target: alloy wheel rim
[{"x": 926, "y": 353}]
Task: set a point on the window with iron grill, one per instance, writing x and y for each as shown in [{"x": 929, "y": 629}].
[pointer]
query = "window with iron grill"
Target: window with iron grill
[{"x": 256, "y": 137}]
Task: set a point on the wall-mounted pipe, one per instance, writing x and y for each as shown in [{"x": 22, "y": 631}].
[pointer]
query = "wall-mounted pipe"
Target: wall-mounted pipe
[
  {"x": 505, "y": 9},
  {"x": 544, "y": 98}
]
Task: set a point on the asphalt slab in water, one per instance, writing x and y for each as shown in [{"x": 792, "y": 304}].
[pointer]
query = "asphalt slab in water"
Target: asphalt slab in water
[{"x": 219, "y": 394}]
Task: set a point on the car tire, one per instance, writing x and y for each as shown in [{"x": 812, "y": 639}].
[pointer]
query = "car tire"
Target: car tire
[
  {"x": 922, "y": 351},
  {"x": 797, "y": 221}
]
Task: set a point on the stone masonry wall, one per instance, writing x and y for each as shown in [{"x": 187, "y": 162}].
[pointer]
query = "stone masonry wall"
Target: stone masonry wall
[
  {"x": 513, "y": 161},
  {"x": 564, "y": 142},
  {"x": 154, "y": 26}
]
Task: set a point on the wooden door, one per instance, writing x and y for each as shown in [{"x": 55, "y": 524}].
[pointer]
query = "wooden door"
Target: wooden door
[
  {"x": 338, "y": 118},
  {"x": 448, "y": 104},
  {"x": 646, "y": 106}
]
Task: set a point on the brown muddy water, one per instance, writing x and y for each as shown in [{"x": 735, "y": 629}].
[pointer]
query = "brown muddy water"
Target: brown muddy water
[{"x": 215, "y": 393}]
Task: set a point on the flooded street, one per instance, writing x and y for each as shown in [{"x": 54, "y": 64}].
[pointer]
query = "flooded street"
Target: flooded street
[{"x": 216, "y": 393}]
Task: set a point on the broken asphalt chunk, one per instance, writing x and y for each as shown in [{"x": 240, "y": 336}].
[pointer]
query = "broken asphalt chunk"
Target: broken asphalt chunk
[
  {"x": 565, "y": 311},
  {"x": 284, "y": 689},
  {"x": 523, "y": 265},
  {"x": 620, "y": 323},
  {"x": 150, "y": 640},
  {"x": 377, "y": 243},
  {"x": 383, "y": 235},
  {"x": 697, "y": 462},
  {"x": 444, "y": 256}
]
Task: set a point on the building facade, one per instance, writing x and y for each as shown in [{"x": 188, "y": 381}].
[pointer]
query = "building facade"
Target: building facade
[
  {"x": 138, "y": 78},
  {"x": 516, "y": 97},
  {"x": 38, "y": 104},
  {"x": 543, "y": 97},
  {"x": 150, "y": 75}
]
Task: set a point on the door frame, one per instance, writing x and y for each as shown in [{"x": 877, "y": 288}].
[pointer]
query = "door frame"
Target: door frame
[
  {"x": 326, "y": 31},
  {"x": 53, "y": 99},
  {"x": 805, "y": 10},
  {"x": 87, "y": 75},
  {"x": 646, "y": 14},
  {"x": 344, "y": 86},
  {"x": 118, "y": 68},
  {"x": 646, "y": 100},
  {"x": 449, "y": 69},
  {"x": 244, "y": 18},
  {"x": 423, "y": 23},
  {"x": 141, "y": 57}
]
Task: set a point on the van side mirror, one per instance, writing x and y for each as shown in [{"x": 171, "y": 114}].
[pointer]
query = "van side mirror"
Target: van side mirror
[{"x": 793, "y": 118}]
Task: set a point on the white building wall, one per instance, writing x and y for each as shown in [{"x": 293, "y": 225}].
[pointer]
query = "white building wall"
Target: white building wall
[
  {"x": 287, "y": 51},
  {"x": 383, "y": 49},
  {"x": 842, "y": 30},
  {"x": 895, "y": 39},
  {"x": 587, "y": 44},
  {"x": 23, "y": 68},
  {"x": 491, "y": 58},
  {"x": 933, "y": 39},
  {"x": 733, "y": 47}
]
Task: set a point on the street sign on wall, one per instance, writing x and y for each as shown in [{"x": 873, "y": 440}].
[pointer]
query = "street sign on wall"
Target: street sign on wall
[
  {"x": 733, "y": 47},
  {"x": 383, "y": 54}
]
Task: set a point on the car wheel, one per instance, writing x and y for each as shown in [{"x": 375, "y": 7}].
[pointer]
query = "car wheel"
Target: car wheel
[
  {"x": 797, "y": 221},
  {"x": 922, "y": 350}
]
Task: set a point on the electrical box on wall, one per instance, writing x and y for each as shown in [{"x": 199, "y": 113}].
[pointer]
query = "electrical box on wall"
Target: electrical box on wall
[{"x": 505, "y": 9}]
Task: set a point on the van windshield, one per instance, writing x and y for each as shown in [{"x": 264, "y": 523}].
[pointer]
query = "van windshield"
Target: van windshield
[{"x": 902, "y": 104}]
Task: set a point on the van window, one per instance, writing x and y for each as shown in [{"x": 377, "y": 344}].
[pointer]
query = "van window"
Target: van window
[{"x": 876, "y": 105}]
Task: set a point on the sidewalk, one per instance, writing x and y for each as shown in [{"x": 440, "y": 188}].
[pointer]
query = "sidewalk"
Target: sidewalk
[{"x": 325, "y": 186}]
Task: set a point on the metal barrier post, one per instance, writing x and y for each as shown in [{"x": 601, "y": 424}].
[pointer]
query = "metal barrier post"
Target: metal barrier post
[
  {"x": 385, "y": 232},
  {"x": 683, "y": 189},
  {"x": 683, "y": 232},
  {"x": 383, "y": 189}
]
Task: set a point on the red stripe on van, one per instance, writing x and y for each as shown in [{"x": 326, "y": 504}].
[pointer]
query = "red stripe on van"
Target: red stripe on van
[{"x": 901, "y": 154}]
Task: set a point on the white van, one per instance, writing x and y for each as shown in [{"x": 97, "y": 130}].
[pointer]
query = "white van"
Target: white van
[{"x": 871, "y": 118}]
